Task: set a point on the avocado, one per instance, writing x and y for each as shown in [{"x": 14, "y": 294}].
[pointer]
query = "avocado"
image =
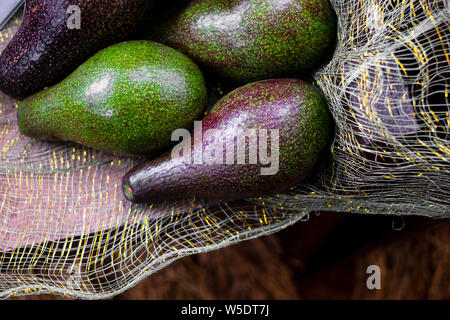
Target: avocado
[
  {"x": 222, "y": 159},
  {"x": 56, "y": 36},
  {"x": 251, "y": 40},
  {"x": 127, "y": 99}
]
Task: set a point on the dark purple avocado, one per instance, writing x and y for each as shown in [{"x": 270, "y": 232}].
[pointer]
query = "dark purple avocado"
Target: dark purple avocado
[
  {"x": 47, "y": 48},
  {"x": 290, "y": 119}
]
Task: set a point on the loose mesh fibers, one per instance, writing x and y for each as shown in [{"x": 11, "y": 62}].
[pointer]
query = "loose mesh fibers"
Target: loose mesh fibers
[{"x": 66, "y": 228}]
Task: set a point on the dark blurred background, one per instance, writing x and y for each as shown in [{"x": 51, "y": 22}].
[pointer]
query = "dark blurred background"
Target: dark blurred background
[{"x": 325, "y": 257}]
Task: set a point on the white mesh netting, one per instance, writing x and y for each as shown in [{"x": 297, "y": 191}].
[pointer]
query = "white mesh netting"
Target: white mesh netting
[{"x": 66, "y": 228}]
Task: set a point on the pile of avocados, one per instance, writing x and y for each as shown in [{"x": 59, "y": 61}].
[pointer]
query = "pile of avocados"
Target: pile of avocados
[{"x": 108, "y": 87}]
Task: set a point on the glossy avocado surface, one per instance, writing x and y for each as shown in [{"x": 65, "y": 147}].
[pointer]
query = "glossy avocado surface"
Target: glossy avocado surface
[
  {"x": 49, "y": 46},
  {"x": 250, "y": 40},
  {"x": 127, "y": 99},
  {"x": 292, "y": 107}
]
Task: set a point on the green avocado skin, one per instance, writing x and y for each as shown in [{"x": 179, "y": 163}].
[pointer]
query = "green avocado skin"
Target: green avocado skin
[
  {"x": 250, "y": 40},
  {"x": 127, "y": 100}
]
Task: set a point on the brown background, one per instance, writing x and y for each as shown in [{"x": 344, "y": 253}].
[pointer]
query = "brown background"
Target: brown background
[{"x": 323, "y": 258}]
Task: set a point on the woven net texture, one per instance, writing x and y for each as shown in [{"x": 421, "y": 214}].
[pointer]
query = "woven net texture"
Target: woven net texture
[{"x": 65, "y": 227}]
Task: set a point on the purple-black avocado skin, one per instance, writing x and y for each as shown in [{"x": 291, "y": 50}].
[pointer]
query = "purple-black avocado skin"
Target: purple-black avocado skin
[
  {"x": 294, "y": 107},
  {"x": 250, "y": 40},
  {"x": 45, "y": 50}
]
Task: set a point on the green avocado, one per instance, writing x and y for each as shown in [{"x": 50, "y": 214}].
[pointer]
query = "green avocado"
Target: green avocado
[
  {"x": 127, "y": 100},
  {"x": 250, "y": 40}
]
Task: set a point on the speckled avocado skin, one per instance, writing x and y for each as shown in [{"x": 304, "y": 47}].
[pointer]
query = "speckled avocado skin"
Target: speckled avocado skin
[
  {"x": 250, "y": 40},
  {"x": 127, "y": 99},
  {"x": 45, "y": 50},
  {"x": 293, "y": 106}
]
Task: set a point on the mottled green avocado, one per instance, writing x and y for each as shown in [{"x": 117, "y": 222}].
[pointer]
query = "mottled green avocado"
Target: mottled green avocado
[
  {"x": 291, "y": 113},
  {"x": 250, "y": 40},
  {"x": 127, "y": 99}
]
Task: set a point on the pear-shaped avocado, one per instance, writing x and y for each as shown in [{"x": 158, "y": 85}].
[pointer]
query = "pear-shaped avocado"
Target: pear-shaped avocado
[
  {"x": 259, "y": 139},
  {"x": 56, "y": 36},
  {"x": 250, "y": 40},
  {"x": 127, "y": 99}
]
